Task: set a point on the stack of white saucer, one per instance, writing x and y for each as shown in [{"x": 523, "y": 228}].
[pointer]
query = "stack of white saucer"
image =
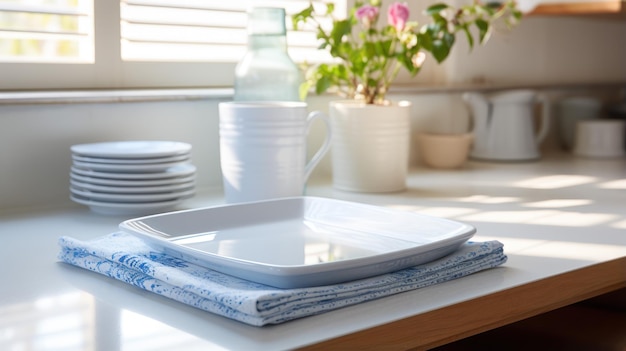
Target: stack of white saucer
[{"x": 132, "y": 177}]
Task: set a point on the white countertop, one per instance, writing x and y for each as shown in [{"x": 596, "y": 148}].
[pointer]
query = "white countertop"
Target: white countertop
[{"x": 554, "y": 216}]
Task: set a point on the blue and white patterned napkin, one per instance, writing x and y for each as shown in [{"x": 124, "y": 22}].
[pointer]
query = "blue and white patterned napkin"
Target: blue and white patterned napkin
[{"x": 127, "y": 258}]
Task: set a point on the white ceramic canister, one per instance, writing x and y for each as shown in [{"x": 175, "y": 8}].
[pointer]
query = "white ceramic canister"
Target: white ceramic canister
[{"x": 600, "y": 138}]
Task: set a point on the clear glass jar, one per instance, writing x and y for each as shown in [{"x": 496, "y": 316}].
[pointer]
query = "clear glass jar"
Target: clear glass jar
[{"x": 267, "y": 72}]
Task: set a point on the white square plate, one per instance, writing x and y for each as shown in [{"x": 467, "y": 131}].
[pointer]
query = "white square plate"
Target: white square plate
[{"x": 301, "y": 241}]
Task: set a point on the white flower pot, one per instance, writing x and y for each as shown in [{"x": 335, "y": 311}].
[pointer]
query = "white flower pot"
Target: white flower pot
[{"x": 370, "y": 151}]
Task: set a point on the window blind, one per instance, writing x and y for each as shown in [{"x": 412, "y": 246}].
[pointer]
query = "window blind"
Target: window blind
[
  {"x": 203, "y": 30},
  {"x": 46, "y": 31}
]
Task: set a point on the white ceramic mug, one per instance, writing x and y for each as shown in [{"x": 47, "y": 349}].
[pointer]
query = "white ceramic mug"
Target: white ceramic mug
[
  {"x": 600, "y": 138},
  {"x": 263, "y": 149}
]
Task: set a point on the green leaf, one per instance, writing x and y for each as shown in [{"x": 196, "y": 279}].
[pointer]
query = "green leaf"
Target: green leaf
[
  {"x": 440, "y": 20},
  {"x": 493, "y": 6},
  {"x": 341, "y": 72},
  {"x": 449, "y": 38},
  {"x": 468, "y": 35},
  {"x": 370, "y": 50},
  {"x": 302, "y": 16},
  {"x": 358, "y": 62},
  {"x": 434, "y": 29},
  {"x": 425, "y": 40},
  {"x": 413, "y": 70},
  {"x": 406, "y": 63},
  {"x": 322, "y": 84},
  {"x": 330, "y": 8},
  {"x": 435, "y": 9},
  {"x": 441, "y": 50},
  {"x": 340, "y": 28},
  {"x": 384, "y": 48},
  {"x": 304, "y": 89},
  {"x": 342, "y": 50},
  {"x": 483, "y": 29}
]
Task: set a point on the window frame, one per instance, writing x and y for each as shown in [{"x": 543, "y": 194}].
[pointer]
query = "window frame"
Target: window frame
[{"x": 109, "y": 72}]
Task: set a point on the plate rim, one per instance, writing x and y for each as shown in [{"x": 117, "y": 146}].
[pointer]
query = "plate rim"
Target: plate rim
[
  {"x": 133, "y": 189},
  {"x": 165, "y": 174},
  {"x": 176, "y": 147},
  {"x": 132, "y": 182},
  {"x": 131, "y": 198},
  {"x": 126, "y": 208},
  {"x": 135, "y": 161},
  {"x": 129, "y": 168}
]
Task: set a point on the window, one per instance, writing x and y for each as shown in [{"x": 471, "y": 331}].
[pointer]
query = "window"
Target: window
[
  {"x": 70, "y": 44},
  {"x": 46, "y": 31}
]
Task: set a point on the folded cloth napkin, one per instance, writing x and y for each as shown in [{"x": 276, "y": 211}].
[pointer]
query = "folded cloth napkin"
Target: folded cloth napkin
[{"x": 129, "y": 259}]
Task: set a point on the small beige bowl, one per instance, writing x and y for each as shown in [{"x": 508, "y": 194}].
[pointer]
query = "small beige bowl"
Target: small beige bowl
[{"x": 444, "y": 151}]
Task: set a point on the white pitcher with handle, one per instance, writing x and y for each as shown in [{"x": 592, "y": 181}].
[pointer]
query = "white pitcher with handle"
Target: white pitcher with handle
[{"x": 504, "y": 125}]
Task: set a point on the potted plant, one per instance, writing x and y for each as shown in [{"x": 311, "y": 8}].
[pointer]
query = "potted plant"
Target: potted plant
[{"x": 370, "y": 133}]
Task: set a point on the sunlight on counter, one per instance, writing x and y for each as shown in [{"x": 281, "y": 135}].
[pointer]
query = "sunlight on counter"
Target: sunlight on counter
[
  {"x": 614, "y": 184},
  {"x": 443, "y": 212},
  {"x": 558, "y": 203},
  {"x": 72, "y": 322},
  {"x": 619, "y": 225},
  {"x": 542, "y": 217},
  {"x": 62, "y": 322},
  {"x": 551, "y": 211},
  {"x": 560, "y": 249},
  {"x": 484, "y": 199},
  {"x": 140, "y": 333},
  {"x": 555, "y": 181}
]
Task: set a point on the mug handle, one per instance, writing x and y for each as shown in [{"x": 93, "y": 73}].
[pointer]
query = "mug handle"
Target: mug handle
[
  {"x": 545, "y": 118},
  {"x": 325, "y": 146}
]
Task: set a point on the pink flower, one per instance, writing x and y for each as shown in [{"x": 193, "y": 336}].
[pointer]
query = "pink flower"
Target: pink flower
[
  {"x": 367, "y": 14},
  {"x": 398, "y": 15}
]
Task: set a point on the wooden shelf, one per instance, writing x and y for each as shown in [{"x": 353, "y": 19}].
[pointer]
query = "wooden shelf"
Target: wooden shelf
[{"x": 604, "y": 7}]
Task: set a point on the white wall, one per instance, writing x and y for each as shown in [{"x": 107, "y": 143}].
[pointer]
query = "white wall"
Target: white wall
[{"x": 545, "y": 50}]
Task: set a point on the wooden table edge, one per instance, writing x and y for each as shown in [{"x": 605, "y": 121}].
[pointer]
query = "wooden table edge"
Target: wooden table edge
[
  {"x": 458, "y": 321},
  {"x": 588, "y": 7}
]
